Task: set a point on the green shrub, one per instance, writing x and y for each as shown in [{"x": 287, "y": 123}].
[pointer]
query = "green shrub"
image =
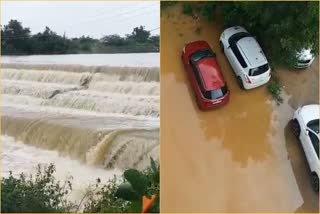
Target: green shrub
[
  {"x": 44, "y": 194},
  {"x": 127, "y": 196},
  {"x": 103, "y": 198},
  {"x": 39, "y": 194},
  {"x": 187, "y": 9},
  {"x": 166, "y": 4},
  {"x": 275, "y": 89},
  {"x": 207, "y": 10}
]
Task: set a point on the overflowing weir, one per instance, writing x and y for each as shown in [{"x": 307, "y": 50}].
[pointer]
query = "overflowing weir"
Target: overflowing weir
[{"x": 100, "y": 115}]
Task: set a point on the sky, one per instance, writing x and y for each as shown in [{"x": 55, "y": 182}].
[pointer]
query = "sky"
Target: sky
[{"x": 77, "y": 18}]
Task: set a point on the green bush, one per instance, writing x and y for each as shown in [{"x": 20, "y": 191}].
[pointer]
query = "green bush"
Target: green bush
[
  {"x": 207, "y": 10},
  {"x": 187, "y": 9},
  {"x": 103, "y": 198},
  {"x": 39, "y": 194},
  {"x": 44, "y": 194},
  {"x": 127, "y": 196},
  {"x": 282, "y": 28},
  {"x": 166, "y": 4},
  {"x": 18, "y": 40},
  {"x": 275, "y": 89}
]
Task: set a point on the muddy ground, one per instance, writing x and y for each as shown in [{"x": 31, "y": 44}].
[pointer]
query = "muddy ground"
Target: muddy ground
[{"x": 238, "y": 158}]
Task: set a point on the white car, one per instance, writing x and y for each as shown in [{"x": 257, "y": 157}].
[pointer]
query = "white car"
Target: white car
[
  {"x": 305, "y": 126},
  {"x": 305, "y": 58},
  {"x": 246, "y": 57}
]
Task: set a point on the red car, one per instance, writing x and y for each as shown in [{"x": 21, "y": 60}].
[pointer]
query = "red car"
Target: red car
[{"x": 204, "y": 73}]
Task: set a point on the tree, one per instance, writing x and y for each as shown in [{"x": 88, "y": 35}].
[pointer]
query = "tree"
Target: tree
[
  {"x": 139, "y": 34},
  {"x": 113, "y": 39},
  {"x": 49, "y": 42},
  {"x": 283, "y": 28},
  {"x": 155, "y": 39},
  {"x": 15, "y": 38}
]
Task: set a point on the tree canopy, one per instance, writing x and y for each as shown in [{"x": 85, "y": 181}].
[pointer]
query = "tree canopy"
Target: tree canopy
[
  {"x": 282, "y": 28},
  {"x": 17, "y": 40}
]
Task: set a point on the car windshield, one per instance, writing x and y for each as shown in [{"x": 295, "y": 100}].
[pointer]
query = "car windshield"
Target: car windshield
[
  {"x": 314, "y": 125},
  {"x": 236, "y": 37},
  {"x": 259, "y": 70},
  {"x": 215, "y": 94},
  {"x": 201, "y": 54},
  {"x": 315, "y": 142}
]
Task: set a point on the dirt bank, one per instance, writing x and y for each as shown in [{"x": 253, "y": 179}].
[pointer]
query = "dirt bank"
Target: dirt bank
[{"x": 231, "y": 159}]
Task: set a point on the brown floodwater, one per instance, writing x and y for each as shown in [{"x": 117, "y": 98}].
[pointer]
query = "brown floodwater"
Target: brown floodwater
[
  {"x": 307, "y": 81},
  {"x": 231, "y": 159}
]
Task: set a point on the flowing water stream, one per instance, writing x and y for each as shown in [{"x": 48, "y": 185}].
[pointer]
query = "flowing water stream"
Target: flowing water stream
[{"x": 90, "y": 121}]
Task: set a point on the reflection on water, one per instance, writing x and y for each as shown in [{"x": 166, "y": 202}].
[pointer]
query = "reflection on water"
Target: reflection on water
[{"x": 231, "y": 159}]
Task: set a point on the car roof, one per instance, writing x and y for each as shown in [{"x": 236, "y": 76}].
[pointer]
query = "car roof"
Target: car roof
[
  {"x": 212, "y": 77},
  {"x": 251, "y": 51}
]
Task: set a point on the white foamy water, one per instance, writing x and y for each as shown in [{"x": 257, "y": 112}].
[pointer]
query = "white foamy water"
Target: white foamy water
[
  {"x": 129, "y": 59},
  {"x": 20, "y": 158},
  {"x": 90, "y": 121}
]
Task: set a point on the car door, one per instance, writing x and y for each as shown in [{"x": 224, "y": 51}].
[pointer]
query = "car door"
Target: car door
[
  {"x": 307, "y": 145},
  {"x": 236, "y": 60},
  {"x": 315, "y": 150},
  {"x": 232, "y": 59}
]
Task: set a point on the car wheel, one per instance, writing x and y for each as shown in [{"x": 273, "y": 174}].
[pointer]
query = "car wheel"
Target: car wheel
[
  {"x": 296, "y": 128},
  {"x": 239, "y": 80},
  {"x": 315, "y": 182},
  {"x": 221, "y": 46}
]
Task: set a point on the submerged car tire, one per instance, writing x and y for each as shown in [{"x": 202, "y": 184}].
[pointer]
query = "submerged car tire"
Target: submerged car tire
[
  {"x": 239, "y": 80},
  {"x": 296, "y": 128},
  {"x": 221, "y": 46},
  {"x": 315, "y": 182}
]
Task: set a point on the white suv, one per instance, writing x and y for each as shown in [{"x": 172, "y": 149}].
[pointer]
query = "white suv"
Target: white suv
[
  {"x": 246, "y": 57},
  {"x": 305, "y": 126},
  {"x": 304, "y": 58}
]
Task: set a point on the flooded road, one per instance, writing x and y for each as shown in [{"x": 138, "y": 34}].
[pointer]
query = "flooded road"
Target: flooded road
[
  {"x": 306, "y": 93},
  {"x": 232, "y": 159},
  {"x": 308, "y": 80}
]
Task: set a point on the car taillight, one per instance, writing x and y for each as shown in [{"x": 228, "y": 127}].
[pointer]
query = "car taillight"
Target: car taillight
[{"x": 248, "y": 79}]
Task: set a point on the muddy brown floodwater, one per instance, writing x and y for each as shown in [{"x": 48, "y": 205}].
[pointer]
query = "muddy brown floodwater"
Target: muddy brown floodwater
[{"x": 232, "y": 159}]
